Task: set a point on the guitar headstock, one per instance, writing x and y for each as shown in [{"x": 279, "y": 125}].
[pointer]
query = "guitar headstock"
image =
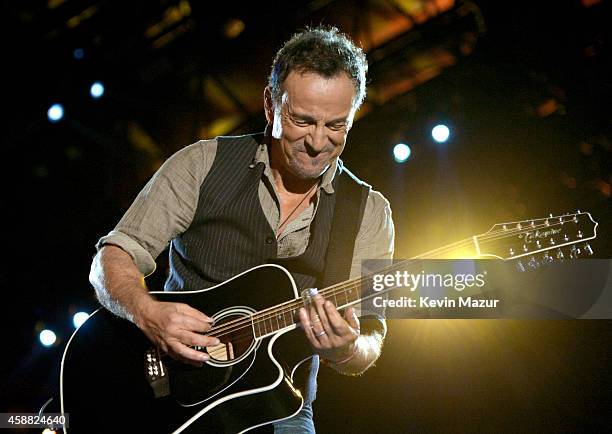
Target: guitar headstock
[{"x": 540, "y": 240}]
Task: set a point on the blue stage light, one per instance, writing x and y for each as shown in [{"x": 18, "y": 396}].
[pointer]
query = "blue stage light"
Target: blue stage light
[
  {"x": 96, "y": 90},
  {"x": 401, "y": 152},
  {"x": 55, "y": 113},
  {"x": 47, "y": 337},
  {"x": 440, "y": 133},
  {"x": 79, "y": 318}
]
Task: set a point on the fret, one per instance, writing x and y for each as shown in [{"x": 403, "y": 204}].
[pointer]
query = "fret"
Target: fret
[
  {"x": 262, "y": 321},
  {"x": 282, "y": 314},
  {"x": 265, "y": 324},
  {"x": 258, "y": 327},
  {"x": 294, "y": 315}
]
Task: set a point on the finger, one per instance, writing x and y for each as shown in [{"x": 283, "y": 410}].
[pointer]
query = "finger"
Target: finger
[
  {"x": 337, "y": 323},
  {"x": 197, "y": 340},
  {"x": 192, "y": 324},
  {"x": 324, "y": 325},
  {"x": 196, "y": 314},
  {"x": 351, "y": 318},
  {"x": 188, "y": 355},
  {"x": 308, "y": 331}
]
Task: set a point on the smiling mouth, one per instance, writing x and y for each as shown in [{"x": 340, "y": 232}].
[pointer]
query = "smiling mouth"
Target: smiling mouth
[{"x": 317, "y": 159}]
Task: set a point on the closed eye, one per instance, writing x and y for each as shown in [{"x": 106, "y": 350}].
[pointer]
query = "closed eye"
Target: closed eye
[{"x": 337, "y": 127}]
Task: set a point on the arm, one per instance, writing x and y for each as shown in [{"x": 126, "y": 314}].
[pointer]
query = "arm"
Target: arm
[
  {"x": 348, "y": 346},
  {"x": 164, "y": 208}
]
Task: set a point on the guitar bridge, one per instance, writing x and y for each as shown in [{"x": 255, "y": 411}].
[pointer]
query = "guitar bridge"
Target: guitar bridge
[{"x": 156, "y": 373}]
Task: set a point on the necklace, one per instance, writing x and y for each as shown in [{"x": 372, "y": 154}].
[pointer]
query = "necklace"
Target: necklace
[{"x": 280, "y": 227}]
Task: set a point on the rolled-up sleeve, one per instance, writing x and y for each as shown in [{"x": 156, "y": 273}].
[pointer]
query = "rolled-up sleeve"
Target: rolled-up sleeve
[
  {"x": 375, "y": 240},
  {"x": 165, "y": 207}
]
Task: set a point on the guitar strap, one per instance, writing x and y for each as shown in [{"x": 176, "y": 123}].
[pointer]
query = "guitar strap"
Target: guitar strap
[{"x": 351, "y": 195}]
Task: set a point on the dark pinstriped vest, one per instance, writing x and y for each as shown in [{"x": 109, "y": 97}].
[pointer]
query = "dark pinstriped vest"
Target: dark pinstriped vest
[{"x": 230, "y": 233}]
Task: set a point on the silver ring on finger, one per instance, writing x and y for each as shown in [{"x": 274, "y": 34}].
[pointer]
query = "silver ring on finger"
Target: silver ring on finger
[{"x": 321, "y": 333}]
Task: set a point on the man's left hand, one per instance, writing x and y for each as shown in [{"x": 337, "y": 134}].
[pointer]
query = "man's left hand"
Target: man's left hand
[{"x": 330, "y": 335}]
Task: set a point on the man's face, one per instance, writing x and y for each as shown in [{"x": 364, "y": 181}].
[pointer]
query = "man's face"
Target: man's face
[{"x": 311, "y": 123}]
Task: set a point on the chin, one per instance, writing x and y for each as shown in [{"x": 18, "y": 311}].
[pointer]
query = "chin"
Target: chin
[{"x": 308, "y": 173}]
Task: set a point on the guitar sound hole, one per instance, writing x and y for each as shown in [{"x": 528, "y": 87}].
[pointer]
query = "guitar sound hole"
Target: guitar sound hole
[{"x": 236, "y": 338}]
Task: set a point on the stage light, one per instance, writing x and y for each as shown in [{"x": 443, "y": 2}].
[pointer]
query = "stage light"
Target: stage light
[
  {"x": 55, "y": 113},
  {"x": 47, "y": 337},
  {"x": 79, "y": 318},
  {"x": 440, "y": 133},
  {"x": 401, "y": 152},
  {"x": 97, "y": 90},
  {"x": 78, "y": 53}
]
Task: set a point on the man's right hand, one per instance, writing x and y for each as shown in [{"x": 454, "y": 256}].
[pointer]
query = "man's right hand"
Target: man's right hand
[{"x": 175, "y": 326}]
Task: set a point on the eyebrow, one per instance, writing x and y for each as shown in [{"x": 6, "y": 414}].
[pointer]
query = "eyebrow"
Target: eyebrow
[{"x": 308, "y": 118}]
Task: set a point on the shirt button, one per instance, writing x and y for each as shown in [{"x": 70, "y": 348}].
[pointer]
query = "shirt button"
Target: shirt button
[{"x": 269, "y": 240}]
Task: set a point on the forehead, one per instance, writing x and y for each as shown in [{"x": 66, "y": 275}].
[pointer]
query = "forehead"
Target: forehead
[{"x": 312, "y": 94}]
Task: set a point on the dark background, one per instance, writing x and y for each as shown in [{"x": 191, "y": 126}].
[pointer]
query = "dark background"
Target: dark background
[{"x": 524, "y": 85}]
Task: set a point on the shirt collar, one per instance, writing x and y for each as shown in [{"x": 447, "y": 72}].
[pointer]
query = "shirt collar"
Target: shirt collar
[{"x": 262, "y": 156}]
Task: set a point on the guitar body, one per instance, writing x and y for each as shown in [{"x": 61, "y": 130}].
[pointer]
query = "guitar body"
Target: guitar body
[{"x": 105, "y": 376}]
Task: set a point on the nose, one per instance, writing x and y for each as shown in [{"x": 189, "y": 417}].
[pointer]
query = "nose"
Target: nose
[{"x": 317, "y": 139}]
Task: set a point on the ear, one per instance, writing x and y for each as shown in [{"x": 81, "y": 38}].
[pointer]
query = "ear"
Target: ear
[{"x": 268, "y": 105}]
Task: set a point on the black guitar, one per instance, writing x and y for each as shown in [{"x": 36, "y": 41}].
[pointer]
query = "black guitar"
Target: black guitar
[{"x": 113, "y": 380}]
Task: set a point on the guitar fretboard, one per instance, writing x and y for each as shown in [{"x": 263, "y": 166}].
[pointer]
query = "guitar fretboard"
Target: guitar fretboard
[{"x": 504, "y": 241}]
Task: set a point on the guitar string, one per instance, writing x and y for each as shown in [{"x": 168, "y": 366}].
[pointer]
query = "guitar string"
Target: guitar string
[{"x": 229, "y": 327}]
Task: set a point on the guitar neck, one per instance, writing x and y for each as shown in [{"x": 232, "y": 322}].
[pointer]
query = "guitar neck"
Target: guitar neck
[
  {"x": 513, "y": 240},
  {"x": 349, "y": 292}
]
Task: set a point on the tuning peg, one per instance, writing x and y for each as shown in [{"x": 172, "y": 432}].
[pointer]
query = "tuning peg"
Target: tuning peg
[
  {"x": 575, "y": 252},
  {"x": 520, "y": 267},
  {"x": 533, "y": 263},
  {"x": 587, "y": 248},
  {"x": 547, "y": 259},
  {"x": 560, "y": 254},
  {"x": 579, "y": 234}
]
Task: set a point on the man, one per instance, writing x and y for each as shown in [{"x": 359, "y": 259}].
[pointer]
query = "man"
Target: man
[{"x": 208, "y": 205}]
